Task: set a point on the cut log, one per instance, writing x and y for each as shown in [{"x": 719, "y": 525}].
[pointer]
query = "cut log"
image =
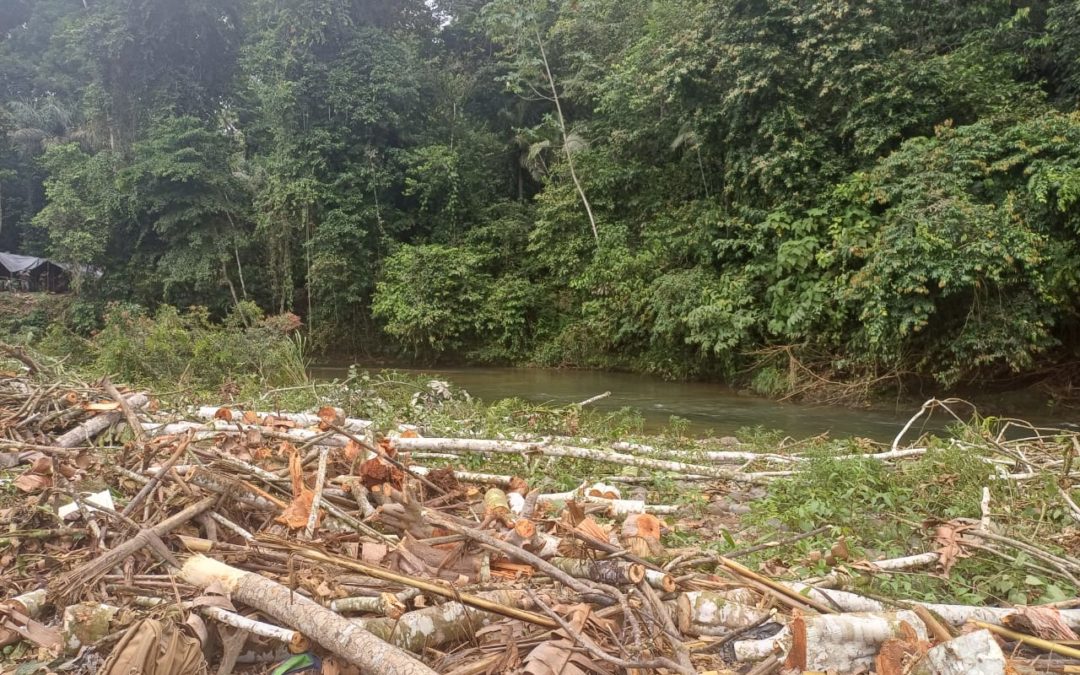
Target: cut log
[
  {"x": 641, "y": 534},
  {"x": 465, "y": 445},
  {"x": 502, "y": 481},
  {"x": 297, "y": 642},
  {"x": 85, "y": 623},
  {"x": 334, "y": 632},
  {"x": 841, "y": 643},
  {"x": 216, "y": 428},
  {"x": 210, "y": 412},
  {"x": 610, "y": 572},
  {"x": 976, "y": 653},
  {"x": 622, "y": 507},
  {"x": 386, "y": 604},
  {"x": 709, "y": 613},
  {"x": 88, "y": 430},
  {"x": 444, "y": 625},
  {"x": 839, "y": 578},
  {"x": 525, "y": 535},
  {"x": 718, "y": 457},
  {"x": 29, "y": 605},
  {"x": 954, "y": 615}
]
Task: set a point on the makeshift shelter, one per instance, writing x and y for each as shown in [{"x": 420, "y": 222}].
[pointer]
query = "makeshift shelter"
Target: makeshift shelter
[{"x": 30, "y": 273}]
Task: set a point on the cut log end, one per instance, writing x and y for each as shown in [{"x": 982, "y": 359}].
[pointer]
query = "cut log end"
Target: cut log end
[
  {"x": 299, "y": 644},
  {"x": 202, "y": 572},
  {"x": 525, "y": 528},
  {"x": 666, "y": 583}
]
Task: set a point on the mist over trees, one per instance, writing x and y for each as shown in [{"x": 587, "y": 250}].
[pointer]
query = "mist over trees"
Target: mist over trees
[{"x": 861, "y": 189}]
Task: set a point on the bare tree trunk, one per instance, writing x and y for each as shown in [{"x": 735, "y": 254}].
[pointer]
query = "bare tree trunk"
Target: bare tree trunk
[
  {"x": 232, "y": 292},
  {"x": 562, "y": 128},
  {"x": 236, "y": 252},
  {"x": 240, "y": 271},
  {"x": 307, "y": 261},
  {"x": 701, "y": 168},
  {"x": 331, "y": 630}
]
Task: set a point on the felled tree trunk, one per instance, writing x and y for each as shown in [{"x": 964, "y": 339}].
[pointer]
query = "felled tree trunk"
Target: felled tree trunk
[
  {"x": 975, "y": 653},
  {"x": 461, "y": 445},
  {"x": 956, "y": 615},
  {"x": 85, "y": 432},
  {"x": 841, "y": 643},
  {"x": 445, "y": 624},
  {"x": 209, "y": 412},
  {"x": 215, "y": 428},
  {"x": 386, "y": 604},
  {"x": 611, "y": 572},
  {"x": 334, "y": 632},
  {"x": 708, "y": 613}
]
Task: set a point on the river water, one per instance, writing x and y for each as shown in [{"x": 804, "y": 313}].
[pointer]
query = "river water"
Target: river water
[{"x": 711, "y": 409}]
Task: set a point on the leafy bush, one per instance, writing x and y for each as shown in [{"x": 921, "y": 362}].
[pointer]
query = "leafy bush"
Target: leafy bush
[
  {"x": 432, "y": 297},
  {"x": 172, "y": 347}
]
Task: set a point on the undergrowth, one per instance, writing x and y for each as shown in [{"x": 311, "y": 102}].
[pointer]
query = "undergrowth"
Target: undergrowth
[
  {"x": 185, "y": 350},
  {"x": 891, "y": 510},
  {"x": 881, "y": 510}
]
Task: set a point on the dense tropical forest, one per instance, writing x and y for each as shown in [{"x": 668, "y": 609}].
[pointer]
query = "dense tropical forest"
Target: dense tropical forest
[{"x": 854, "y": 190}]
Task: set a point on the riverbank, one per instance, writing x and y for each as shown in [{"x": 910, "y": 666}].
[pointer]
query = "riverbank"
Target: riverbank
[
  {"x": 976, "y": 519},
  {"x": 186, "y": 347}
]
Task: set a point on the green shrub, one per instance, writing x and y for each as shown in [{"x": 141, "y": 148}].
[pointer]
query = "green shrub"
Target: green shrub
[
  {"x": 432, "y": 297},
  {"x": 171, "y": 347}
]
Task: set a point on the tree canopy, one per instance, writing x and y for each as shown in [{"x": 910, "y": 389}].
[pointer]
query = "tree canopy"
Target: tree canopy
[{"x": 854, "y": 189}]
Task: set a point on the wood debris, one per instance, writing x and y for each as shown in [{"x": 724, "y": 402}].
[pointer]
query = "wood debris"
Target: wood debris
[{"x": 309, "y": 533}]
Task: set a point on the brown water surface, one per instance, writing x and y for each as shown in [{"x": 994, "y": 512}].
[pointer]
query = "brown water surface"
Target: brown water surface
[{"x": 709, "y": 408}]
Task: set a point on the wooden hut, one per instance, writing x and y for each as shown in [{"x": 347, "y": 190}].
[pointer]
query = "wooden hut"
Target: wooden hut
[{"x": 30, "y": 273}]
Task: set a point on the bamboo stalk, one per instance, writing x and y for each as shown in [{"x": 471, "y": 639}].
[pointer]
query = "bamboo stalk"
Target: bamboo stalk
[
  {"x": 427, "y": 587},
  {"x": 936, "y": 628},
  {"x": 1030, "y": 640},
  {"x": 778, "y": 588}
]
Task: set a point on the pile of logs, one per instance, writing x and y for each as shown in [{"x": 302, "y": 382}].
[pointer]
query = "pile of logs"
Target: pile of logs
[{"x": 262, "y": 537}]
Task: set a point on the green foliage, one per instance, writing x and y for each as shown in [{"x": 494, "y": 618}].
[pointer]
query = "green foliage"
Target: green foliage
[
  {"x": 183, "y": 186},
  {"x": 881, "y": 509},
  {"x": 171, "y": 347},
  {"x": 828, "y": 189},
  {"x": 82, "y": 204},
  {"x": 430, "y": 297}
]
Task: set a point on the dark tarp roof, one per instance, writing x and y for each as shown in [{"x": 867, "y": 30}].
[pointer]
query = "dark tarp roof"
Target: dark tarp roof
[
  {"x": 21, "y": 263},
  {"x": 14, "y": 264}
]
